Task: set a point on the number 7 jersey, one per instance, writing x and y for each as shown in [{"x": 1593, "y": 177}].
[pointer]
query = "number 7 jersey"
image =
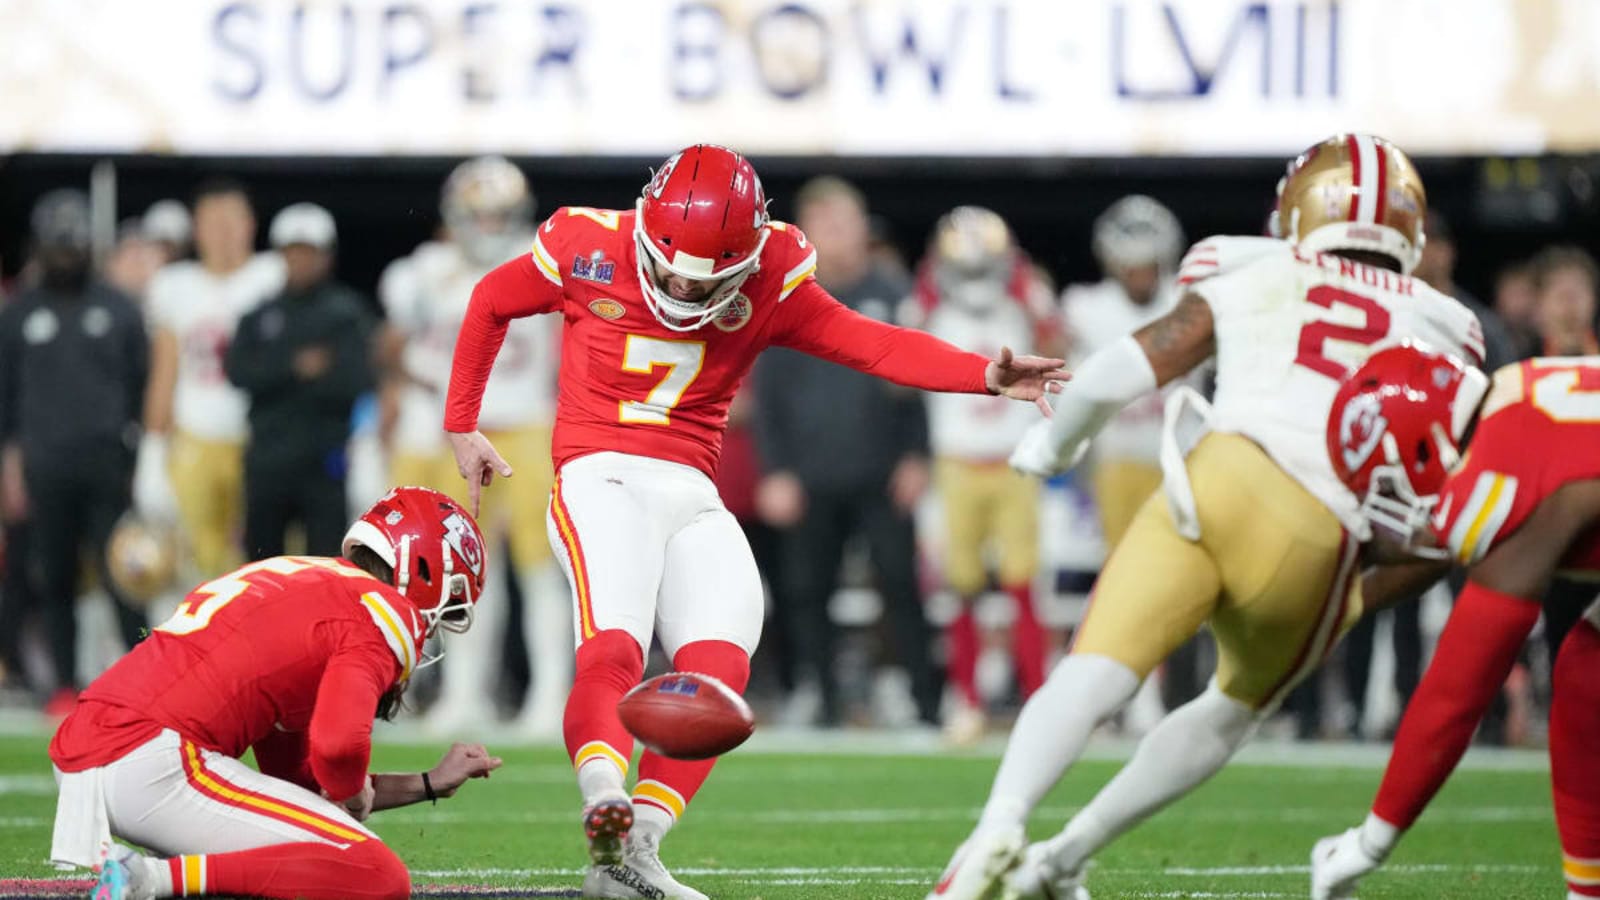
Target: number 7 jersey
[
  {"x": 1289, "y": 326},
  {"x": 628, "y": 383}
]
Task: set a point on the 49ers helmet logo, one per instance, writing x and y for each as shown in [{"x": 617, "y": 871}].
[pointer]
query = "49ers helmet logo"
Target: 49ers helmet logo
[
  {"x": 1361, "y": 427},
  {"x": 458, "y": 533}
]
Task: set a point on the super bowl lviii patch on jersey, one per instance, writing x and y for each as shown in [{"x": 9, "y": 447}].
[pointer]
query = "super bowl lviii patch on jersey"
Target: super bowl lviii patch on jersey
[{"x": 594, "y": 268}]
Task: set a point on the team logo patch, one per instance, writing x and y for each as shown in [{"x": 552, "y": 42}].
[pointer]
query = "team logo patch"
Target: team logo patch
[
  {"x": 607, "y": 308},
  {"x": 736, "y": 316},
  {"x": 1360, "y": 429},
  {"x": 594, "y": 268},
  {"x": 459, "y": 535},
  {"x": 394, "y": 517}
]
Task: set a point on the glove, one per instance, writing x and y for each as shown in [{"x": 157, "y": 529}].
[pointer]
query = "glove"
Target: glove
[
  {"x": 1337, "y": 863},
  {"x": 153, "y": 496},
  {"x": 1036, "y": 453}
]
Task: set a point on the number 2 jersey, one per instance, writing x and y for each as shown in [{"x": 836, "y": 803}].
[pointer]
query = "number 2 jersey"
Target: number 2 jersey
[
  {"x": 1289, "y": 325},
  {"x": 288, "y": 655},
  {"x": 631, "y": 385},
  {"x": 1539, "y": 429}
]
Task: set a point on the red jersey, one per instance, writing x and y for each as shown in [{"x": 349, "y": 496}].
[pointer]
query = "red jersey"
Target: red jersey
[
  {"x": 630, "y": 384},
  {"x": 288, "y": 655},
  {"x": 1540, "y": 428}
]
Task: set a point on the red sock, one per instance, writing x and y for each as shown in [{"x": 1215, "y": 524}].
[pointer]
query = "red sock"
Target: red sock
[
  {"x": 669, "y": 784},
  {"x": 1574, "y": 748},
  {"x": 962, "y": 667},
  {"x": 1028, "y": 644},
  {"x": 311, "y": 871},
  {"x": 609, "y": 665},
  {"x": 1476, "y": 651}
]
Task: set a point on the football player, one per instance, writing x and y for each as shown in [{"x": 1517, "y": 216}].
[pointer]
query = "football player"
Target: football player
[
  {"x": 665, "y": 307},
  {"x": 488, "y": 216},
  {"x": 1522, "y": 505},
  {"x": 977, "y": 289},
  {"x": 195, "y": 420},
  {"x": 288, "y": 657},
  {"x": 1252, "y": 532}
]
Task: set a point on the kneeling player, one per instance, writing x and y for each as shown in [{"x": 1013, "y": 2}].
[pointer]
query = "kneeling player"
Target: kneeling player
[
  {"x": 289, "y": 657},
  {"x": 1523, "y": 505}
]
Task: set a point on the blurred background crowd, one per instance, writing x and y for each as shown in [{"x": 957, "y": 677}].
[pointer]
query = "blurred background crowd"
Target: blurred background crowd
[
  {"x": 232, "y": 277},
  {"x": 203, "y": 392}
]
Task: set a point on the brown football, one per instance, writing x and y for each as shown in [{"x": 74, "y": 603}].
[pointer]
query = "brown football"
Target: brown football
[{"x": 686, "y": 715}]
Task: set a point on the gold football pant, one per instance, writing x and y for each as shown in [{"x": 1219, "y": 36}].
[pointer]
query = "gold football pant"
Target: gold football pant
[
  {"x": 1273, "y": 572},
  {"x": 984, "y": 503},
  {"x": 1120, "y": 488},
  {"x": 513, "y": 507},
  {"x": 208, "y": 483}
]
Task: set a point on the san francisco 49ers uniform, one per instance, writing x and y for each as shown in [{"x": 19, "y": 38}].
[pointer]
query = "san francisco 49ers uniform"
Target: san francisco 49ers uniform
[
  {"x": 1274, "y": 562},
  {"x": 288, "y": 656},
  {"x": 200, "y": 309},
  {"x": 635, "y": 518}
]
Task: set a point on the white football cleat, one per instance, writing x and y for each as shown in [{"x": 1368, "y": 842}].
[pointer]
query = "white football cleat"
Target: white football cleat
[
  {"x": 125, "y": 875},
  {"x": 979, "y": 868},
  {"x": 606, "y": 823},
  {"x": 1337, "y": 863},
  {"x": 640, "y": 876},
  {"x": 1037, "y": 878}
]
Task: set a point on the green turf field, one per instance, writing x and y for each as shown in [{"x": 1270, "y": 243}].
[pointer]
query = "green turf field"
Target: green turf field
[{"x": 772, "y": 825}]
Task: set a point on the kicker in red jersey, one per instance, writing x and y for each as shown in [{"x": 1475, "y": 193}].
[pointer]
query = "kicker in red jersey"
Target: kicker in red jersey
[
  {"x": 243, "y": 659},
  {"x": 629, "y": 383},
  {"x": 1552, "y": 404}
]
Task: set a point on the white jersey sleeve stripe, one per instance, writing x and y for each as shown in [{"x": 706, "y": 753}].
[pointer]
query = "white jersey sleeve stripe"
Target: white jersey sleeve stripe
[
  {"x": 1367, "y": 188},
  {"x": 545, "y": 262},
  {"x": 1482, "y": 518},
  {"x": 798, "y": 274},
  {"x": 390, "y": 624}
]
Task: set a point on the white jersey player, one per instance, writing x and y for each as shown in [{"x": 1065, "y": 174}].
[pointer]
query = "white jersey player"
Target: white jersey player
[
  {"x": 195, "y": 419},
  {"x": 488, "y": 211},
  {"x": 1253, "y": 533},
  {"x": 978, "y": 290},
  {"x": 1137, "y": 242}
]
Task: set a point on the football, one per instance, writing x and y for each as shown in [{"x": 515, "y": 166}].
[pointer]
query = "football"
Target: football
[{"x": 686, "y": 715}]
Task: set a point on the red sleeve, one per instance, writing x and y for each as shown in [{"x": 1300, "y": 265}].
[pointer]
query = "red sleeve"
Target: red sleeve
[
  {"x": 286, "y": 755},
  {"x": 811, "y": 321},
  {"x": 340, "y": 744},
  {"x": 516, "y": 288},
  {"x": 1476, "y": 651}
]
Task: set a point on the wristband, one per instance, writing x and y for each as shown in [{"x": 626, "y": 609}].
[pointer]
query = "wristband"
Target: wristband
[{"x": 427, "y": 790}]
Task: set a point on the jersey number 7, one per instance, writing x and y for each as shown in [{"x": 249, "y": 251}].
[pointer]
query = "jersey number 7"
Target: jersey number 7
[
  {"x": 683, "y": 359},
  {"x": 1314, "y": 335}
]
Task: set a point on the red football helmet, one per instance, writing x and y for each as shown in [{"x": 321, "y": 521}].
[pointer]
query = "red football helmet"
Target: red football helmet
[
  {"x": 435, "y": 549},
  {"x": 1394, "y": 434},
  {"x": 703, "y": 217}
]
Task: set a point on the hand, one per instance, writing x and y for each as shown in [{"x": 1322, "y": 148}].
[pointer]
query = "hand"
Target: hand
[
  {"x": 460, "y": 762},
  {"x": 360, "y": 806},
  {"x": 780, "y": 499},
  {"x": 1337, "y": 863},
  {"x": 908, "y": 482},
  {"x": 310, "y": 363},
  {"x": 477, "y": 461},
  {"x": 1025, "y": 377},
  {"x": 13, "y": 487}
]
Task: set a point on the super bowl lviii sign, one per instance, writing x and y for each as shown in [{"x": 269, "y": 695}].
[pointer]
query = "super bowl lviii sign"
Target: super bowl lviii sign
[{"x": 1020, "y": 78}]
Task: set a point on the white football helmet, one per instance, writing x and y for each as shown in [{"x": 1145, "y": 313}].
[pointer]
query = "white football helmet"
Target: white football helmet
[{"x": 1138, "y": 231}]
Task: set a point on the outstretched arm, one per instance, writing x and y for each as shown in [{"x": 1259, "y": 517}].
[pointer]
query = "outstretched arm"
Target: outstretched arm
[
  {"x": 812, "y": 321},
  {"x": 460, "y": 762},
  {"x": 1476, "y": 651},
  {"x": 1113, "y": 377}
]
